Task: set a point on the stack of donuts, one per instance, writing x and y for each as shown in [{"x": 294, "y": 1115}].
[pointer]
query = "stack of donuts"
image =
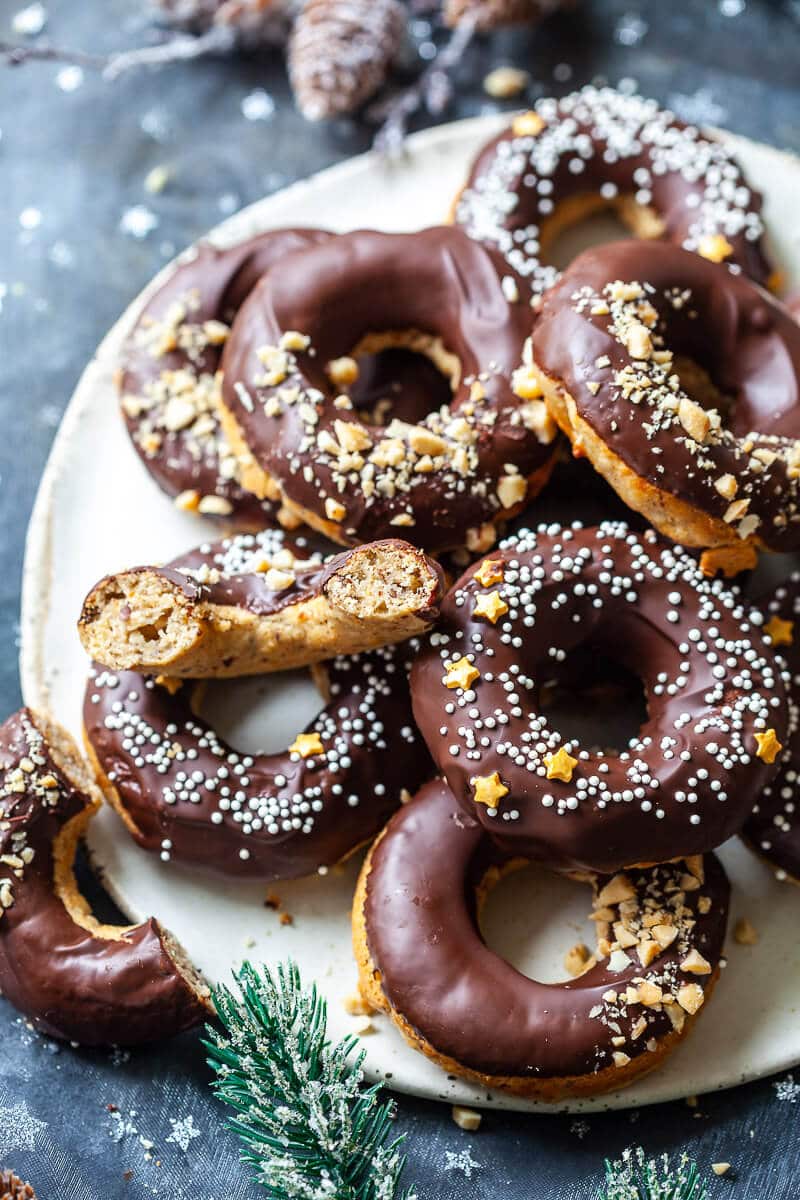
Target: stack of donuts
[{"x": 373, "y": 421}]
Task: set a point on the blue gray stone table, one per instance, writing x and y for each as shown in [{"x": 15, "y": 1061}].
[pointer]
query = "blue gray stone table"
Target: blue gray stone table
[{"x": 80, "y": 236}]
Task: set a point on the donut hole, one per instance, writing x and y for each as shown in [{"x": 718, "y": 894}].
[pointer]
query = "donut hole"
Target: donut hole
[
  {"x": 593, "y": 698},
  {"x": 398, "y": 384},
  {"x": 402, "y": 375},
  {"x": 536, "y": 920},
  {"x": 261, "y": 714},
  {"x": 590, "y": 219}
]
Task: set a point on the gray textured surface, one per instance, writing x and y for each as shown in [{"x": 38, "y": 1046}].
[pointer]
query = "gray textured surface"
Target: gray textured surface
[{"x": 72, "y": 163}]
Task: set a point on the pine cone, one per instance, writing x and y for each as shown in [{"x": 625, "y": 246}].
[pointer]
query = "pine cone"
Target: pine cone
[
  {"x": 493, "y": 14},
  {"x": 340, "y": 53},
  {"x": 12, "y": 1187}
]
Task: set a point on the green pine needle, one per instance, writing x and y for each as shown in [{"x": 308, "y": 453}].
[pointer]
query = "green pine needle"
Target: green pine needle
[
  {"x": 309, "y": 1129},
  {"x": 634, "y": 1177}
]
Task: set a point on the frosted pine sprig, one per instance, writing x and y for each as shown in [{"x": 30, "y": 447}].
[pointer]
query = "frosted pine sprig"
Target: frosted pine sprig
[
  {"x": 309, "y": 1128},
  {"x": 635, "y": 1177}
]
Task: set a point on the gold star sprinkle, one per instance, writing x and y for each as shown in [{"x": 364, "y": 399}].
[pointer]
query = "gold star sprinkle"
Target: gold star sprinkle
[
  {"x": 560, "y": 765},
  {"x": 768, "y": 746},
  {"x": 490, "y": 571},
  {"x": 488, "y": 789},
  {"x": 306, "y": 744},
  {"x": 461, "y": 674},
  {"x": 492, "y": 606},
  {"x": 715, "y": 247},
  {"x": 780, "y": 631}
]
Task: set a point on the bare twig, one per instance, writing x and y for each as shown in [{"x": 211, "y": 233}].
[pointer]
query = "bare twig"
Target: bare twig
[
  {"x": 16, "y": 54},
  {"x": 432, "y": 90},
  {"x": 219, "y": 39}
]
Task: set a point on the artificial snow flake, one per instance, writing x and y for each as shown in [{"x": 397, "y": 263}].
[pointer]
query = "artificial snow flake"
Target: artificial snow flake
[
  {"x": 184, "y": 1132},
  {"x": 138, "y": 221},
  {"x": 122, "y": 1126},
  {"x": 70, "y": 78},
  {"x": 258, "y": 105},
  {"x": 61, "y": 255},
  {"x": 787, "y": 1089},
  {"x": 19, "y": 1129},
  {"x": 461, "y": 1160},
  {"x": 630, "y": 29},
  {"x": 30, "y": 218},
  {"x": 30, "y": 21}
]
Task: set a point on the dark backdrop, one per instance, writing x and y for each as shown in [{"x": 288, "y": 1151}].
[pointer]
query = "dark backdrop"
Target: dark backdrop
[{"x": 80, "y": 235}]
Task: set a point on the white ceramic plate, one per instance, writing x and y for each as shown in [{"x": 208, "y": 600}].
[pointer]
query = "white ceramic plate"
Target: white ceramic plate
[{"x": 98, "y": 511}]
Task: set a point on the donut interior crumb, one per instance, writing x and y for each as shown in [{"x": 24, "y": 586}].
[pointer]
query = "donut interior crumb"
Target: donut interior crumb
[{"x": 383, "y": 580}]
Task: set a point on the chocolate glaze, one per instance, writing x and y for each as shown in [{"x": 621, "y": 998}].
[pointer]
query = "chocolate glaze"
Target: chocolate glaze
[
  {"x": 471, "y": 1005},
  {"x": 436, "y": 281},
  {"x": 710, "y": 681},
  {"x": 773, "y": 829},
  {"x": 598, "y": 142},
  {"x": 218, "y": 281},
  {"x": 745, "y": 340},
  {"x": 68, "y": 982},
  {"x": 303, "y": 813}
]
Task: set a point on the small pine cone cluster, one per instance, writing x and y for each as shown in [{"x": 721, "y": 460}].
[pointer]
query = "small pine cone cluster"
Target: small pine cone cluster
[
  {"x": 340, "y": 53},
  {"x": 493, "y": 14},
  {"x": 13, "y": 1188}
]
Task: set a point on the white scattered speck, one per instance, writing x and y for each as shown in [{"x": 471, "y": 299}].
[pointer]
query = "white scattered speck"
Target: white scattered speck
[
  {"x": 731, "y": 8},
  {"x": 156, "y": 124},
  {"x": 19, "y": 1130},
  {"x": 70, "y": 78},
  {"x": 138, "y": 221},
  {"x": 461, "y": 1160},
  {"x": 562, "y": 72},
  {"x": 61, "y": 255},
  {"x": 630, "y": 29},
  {"x": 119, "y": 1057},
  {"x": 427, "y": 51},
  {"x": 30, "y": 21},
  {"x": 228, "y": 202},
  {"x": 3, "y": 294},
  {"x": 184, "y": 1131},
  {"x": 258, "y": 105},
  {"x": 30, "y": 218},
  {"x": 700, "y": 108},
  {"x": 122, "y": 1126},
  {"x": 787, "y": 1089},
  {"x": 580, "y": 1129},
  {"x": 274, "y": 180},
  {"x": 49, "y": 415}
]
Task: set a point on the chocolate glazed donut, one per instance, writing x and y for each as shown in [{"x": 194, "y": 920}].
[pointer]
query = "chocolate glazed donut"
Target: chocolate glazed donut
[
  {"x": 72, "y": 977},
  {"x": 184, "y": 793},
  {"x": 716, "y": 706},
  {"x": 600, "y": 149},
  {"x": 773, "y": 829},
  {"x": 422, "y": 959},
  {"x": 442, "y": 482},
  {"x": 713, "y": 462},
  {"x": 168, "y": 377}
]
